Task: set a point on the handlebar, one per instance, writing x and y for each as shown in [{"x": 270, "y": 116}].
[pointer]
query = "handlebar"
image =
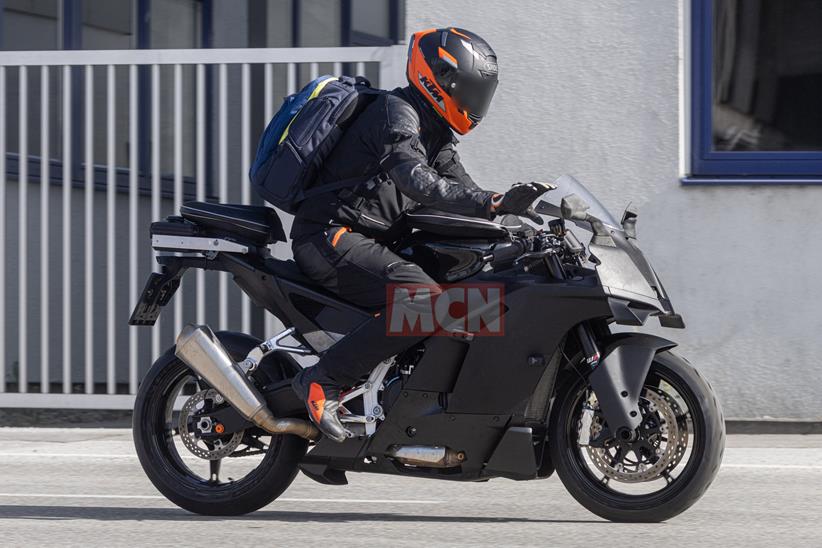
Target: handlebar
[
  {"x": 543, "y": 244},
  {"x": 507, "y": 252}
]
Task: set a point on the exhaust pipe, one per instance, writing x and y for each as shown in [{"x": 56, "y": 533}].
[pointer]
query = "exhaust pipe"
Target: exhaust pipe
[
  {"x": 426, "y": 455},
  {"x": 200, "y": 349}
]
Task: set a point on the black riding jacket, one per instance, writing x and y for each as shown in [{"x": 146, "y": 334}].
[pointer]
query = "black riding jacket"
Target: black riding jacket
[{"x": 406, "y": 154}]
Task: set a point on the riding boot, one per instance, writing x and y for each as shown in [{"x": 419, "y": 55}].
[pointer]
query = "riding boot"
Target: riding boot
[{"x": 321, "y": 396}]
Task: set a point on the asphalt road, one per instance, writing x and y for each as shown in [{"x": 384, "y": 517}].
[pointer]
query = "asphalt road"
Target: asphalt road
[{"x": 86, "y": 488}]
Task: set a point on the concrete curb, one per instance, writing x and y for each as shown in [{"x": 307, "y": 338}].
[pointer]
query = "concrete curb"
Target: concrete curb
[
  {"x": 66, "y": 418},
  {"x": 89, "y": 418},
  {"x": 773, "y": 426}
]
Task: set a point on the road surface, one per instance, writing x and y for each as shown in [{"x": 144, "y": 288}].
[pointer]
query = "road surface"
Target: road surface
[{"x": 85, "y": 487}]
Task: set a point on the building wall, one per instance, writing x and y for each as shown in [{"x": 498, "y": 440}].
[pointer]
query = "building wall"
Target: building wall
[{"x": 592, "y": 89}]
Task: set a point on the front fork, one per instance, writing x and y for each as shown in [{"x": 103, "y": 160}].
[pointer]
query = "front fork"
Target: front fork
[
  {"x": 619, "y": 377},
  {"x": 584, "y": 332},
  {"x": 617, "y": 373},
  {"x": 590, "y": 351}
]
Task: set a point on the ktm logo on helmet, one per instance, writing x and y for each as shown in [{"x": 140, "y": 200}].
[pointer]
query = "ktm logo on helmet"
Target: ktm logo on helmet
[{"x": 432, "y": 90}]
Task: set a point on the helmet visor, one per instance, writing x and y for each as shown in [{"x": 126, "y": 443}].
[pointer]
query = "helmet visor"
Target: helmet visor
[{"x": 473, "y": 93}]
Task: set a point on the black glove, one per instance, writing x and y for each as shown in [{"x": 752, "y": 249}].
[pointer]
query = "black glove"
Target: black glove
[{"x": 518, "y": 200}]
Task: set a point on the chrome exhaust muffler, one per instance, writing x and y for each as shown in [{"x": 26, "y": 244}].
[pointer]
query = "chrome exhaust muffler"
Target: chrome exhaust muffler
[{"x": 200, "y": 349}]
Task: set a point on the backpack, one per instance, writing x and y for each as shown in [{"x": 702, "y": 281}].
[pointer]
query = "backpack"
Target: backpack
[{"x": 302, "y": 135}]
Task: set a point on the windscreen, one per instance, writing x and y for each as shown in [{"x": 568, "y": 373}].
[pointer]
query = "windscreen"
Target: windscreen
[
  {"x": 568, "y": 185},
  {"x": 623, "y": 270}
]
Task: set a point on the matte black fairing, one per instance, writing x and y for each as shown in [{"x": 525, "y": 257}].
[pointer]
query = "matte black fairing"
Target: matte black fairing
[
  {"x": 624, "y": 271},
  {"x": 466, "y": 394},
  {"x": 619, "y": 376},
  {"x": 497, "y": 375}
]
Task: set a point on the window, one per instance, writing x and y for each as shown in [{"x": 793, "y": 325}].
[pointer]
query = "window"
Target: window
[
  {"x": 143, "y": 24},
  {"x": 27, "y": 25},
  {"x": 107, "y": 24},
  {"x": 175, "y": 24},
  {"x": 126, "y": 24},
  {"x": 376, "y": 23},
  {"x": 757, "y": 77}
]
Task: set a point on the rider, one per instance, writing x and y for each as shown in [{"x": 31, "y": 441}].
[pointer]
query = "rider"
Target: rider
[{"x": 404, "y": 146}]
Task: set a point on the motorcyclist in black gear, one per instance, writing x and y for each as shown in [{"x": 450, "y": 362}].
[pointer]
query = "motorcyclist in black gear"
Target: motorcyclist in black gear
[{"x": 403, "y": 146}]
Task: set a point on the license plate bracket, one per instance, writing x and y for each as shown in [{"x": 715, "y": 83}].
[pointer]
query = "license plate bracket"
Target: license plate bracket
[{"x": 158, "y": 291}]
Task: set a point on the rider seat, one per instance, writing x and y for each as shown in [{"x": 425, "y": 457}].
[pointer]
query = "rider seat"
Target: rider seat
[{"x": 259, "y": 225}]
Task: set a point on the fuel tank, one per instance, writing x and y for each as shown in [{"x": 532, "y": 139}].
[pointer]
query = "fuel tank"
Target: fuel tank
[{"x": 446, "y": 260}]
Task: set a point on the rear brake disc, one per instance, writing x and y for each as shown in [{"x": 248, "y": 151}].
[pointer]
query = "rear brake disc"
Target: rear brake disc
[{"x": 216, "y": 448}]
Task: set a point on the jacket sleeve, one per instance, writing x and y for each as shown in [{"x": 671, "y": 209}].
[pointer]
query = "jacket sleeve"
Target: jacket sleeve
[
  {"x": 404, "y": 159},
  {"x": 448, "y": 165}
]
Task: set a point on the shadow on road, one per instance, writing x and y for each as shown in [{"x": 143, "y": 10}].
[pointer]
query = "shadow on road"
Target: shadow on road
[{"x": 109, "y": 513}]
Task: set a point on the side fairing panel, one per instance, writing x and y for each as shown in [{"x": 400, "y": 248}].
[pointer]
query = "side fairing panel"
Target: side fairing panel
[{"x": 499, "y": 374}]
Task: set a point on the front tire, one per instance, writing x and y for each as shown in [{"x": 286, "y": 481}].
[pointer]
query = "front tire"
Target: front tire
[
  {"x": 172, "y": 470},
  {"x": 679, "y": 493}
]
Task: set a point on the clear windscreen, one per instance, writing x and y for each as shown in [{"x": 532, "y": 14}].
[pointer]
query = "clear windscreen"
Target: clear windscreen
[
  {"x": 621, "y": 266},
  {"x": 566, "y": 185}
]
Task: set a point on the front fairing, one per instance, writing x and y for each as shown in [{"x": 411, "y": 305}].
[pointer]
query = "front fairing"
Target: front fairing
[{"x": 624, "y": 272}]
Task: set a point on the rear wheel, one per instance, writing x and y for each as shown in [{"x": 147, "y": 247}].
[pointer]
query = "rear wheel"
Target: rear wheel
[
  {"x": 673, "y": 458},
  {"x": 188, "y": 462}
]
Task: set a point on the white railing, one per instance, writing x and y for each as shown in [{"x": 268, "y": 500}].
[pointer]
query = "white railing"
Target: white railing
[{"x": 125, "y": 157}]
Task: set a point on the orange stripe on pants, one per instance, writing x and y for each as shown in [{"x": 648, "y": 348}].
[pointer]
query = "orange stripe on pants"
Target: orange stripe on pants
[{"x": 337, "y": 235}]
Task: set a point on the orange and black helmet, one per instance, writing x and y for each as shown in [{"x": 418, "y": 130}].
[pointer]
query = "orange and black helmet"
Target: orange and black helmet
[{"x": 456, "y": 71}]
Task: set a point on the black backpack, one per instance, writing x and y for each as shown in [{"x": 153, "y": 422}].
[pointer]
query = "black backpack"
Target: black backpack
[{"x": 301, "y": 136}]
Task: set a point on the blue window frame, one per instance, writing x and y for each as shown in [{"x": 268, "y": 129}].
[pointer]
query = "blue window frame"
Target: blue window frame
[{"x": 710, "y": 163}]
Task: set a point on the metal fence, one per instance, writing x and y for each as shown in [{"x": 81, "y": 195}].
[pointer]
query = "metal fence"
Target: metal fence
[{"x": 94, "y": 145}]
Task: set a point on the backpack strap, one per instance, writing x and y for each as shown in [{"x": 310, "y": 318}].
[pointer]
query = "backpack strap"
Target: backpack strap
[{"x": 341, "y": 184}]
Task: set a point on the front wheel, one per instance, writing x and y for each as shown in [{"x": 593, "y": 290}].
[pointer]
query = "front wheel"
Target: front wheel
[{"x": 673, "y": 458}]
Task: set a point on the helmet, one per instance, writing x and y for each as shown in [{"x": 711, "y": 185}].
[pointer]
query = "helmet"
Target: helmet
[{"x": 456, "y": 71}]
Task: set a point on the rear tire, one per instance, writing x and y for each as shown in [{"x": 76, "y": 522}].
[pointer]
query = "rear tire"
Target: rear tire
[
  {"x": 700, "y": 470},
  {"x": 167, "y": 471}
]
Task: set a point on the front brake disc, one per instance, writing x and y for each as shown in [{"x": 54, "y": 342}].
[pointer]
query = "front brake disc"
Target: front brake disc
[{"x": 666, "y": 447}]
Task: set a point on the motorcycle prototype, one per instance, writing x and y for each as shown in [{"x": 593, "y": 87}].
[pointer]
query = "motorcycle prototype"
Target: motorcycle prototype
[{"x": 634, "y": 432}]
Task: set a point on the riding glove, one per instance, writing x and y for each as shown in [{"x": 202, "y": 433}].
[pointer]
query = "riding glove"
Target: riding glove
[{"x": 518, "y": 200}]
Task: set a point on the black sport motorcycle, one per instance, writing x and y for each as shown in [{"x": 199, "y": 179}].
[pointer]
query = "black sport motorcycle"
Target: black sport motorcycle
[{"x": 634, "y": 432}]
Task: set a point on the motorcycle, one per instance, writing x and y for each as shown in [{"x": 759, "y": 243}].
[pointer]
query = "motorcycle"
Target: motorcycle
[{"x": 634, "y": 432}]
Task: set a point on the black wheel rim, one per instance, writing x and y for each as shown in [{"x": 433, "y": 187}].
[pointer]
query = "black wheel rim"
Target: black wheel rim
[
  {"x": 185, "y": 467},
  {"x": 612, "y": 490}
]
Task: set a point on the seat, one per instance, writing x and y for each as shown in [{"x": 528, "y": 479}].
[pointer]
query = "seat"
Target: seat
[
  {"x": 457, "y": 226},
  {"x": 259, "y": 225}
]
